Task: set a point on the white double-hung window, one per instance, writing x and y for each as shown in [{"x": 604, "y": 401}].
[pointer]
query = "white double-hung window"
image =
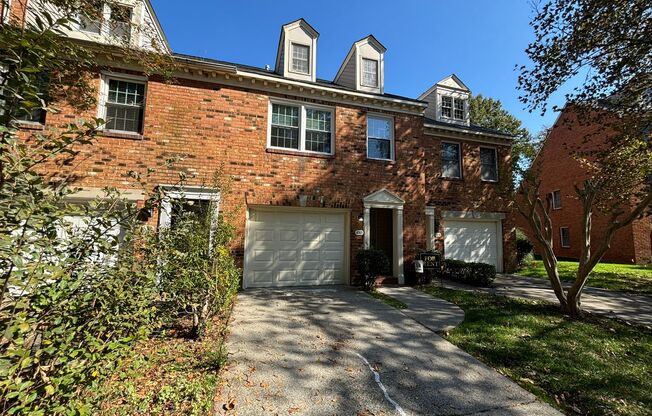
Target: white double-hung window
[
  {"x": 380, "y": 137},
  {"x": 122, "y": 104},
  {"x": 301, "y": 127},
  {"x": 300, "y": 58},
  {"x": 369, "y": 72}
]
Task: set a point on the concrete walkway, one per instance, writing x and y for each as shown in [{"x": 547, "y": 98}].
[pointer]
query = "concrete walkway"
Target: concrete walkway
[
  {"x": 628, "y": 307},
  {"x": 339, "y": 351},
  {"x": 435, "y": 314}
]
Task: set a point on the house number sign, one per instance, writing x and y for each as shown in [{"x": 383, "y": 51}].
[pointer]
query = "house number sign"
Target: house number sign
[{"x": 359, "y": 232}]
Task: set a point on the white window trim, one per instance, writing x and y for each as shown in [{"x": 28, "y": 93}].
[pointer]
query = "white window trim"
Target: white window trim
[
  {"x": 459, "y": 160},
  {"x": 292, "y": 44},
  {"x": 496, "y": 164},
  {"x": 189, "y": 193},
  {"x": 104, "y": 94},
  {"x": 362, "y": 72},
  {"x": 302, "y": 126},
  {"x": 561, "y": 238},
  {"x": 552, "y": 199},
  {"x": 391, "y": 139}
]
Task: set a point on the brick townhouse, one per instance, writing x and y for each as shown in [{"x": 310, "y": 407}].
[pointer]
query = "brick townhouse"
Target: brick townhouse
[
  {"x": 321, "y": 168},
  {"x": 559, "y": 173}
]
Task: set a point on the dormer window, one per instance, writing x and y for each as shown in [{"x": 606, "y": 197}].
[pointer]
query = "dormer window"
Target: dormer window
[
  {"x": 369, "y": 72},
  {"x": 91, "y": 19},
  {"x": 446, "y": 106},
  {"x": 300, "y": 58},
  {"x": 459, "y": 109},
  {"x": 94, "y": 20},
  {"x": 120, "y": 20},
  {"x": 453, "y": 108}
]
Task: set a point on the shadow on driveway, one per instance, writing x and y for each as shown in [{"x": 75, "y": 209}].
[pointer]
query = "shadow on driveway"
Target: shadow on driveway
[{"x": 317, "y": 352}]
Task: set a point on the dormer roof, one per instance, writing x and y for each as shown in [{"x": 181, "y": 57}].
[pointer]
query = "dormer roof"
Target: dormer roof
[
  {"x": 349, "y": 74},
  {"x": 452, "y": 82},
  {"x": 302, "y": 34}
]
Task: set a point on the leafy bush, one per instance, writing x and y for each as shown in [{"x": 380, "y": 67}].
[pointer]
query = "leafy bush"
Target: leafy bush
[
  {"x": 476, "y": 274},
  {"x": 524, "y": 248},
  {"x": 371, "y": 263},
  {"x": 197, "y": 272}
]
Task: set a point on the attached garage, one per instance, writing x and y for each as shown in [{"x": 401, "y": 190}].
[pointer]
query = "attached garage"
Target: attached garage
[
  {"x": 474, "y": 240},
  {"x": 287, "y": 246}
]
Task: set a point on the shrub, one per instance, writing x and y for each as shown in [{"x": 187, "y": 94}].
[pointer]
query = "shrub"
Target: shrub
[
  {"x": 371, "y": 263},
  {"x": 476, "y": 274},
  {"x": 524, "y": 248},
  {"x": 197, "y": 272}
]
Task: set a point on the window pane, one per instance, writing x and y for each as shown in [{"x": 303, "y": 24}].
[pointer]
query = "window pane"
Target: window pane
[
  {"x": 318, "y": 131},
  {"x": 379, "y": 128},
  {"x": 450, "y": 160},
  {"x": 318, "y": 141},
  {"x": 450, "y": 169},
  {"x": 123, "y": 118},
  {"x": 369, "y": 72},
  {"x": 300, "y": 58},
  {"x": 126, "y": 93},
  {"x": 379, "y": 148},
  {"x": 120, "y": 24},
  {"x": 446, "y": 106},
  {"x": 285, "y": 126},
  {"x": 285, "y": 137},
  {"x": 459, "y": 109},
  {"x": 91, "y": 17},
  {"x": 556, "y": 199},
  {"x": 488, "y": 166},
  {"x": 318, "y": 120},
  {"x": 285, "y": 115}
]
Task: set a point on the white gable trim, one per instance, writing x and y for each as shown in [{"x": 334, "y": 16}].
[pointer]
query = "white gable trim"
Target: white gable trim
[{"x": 383, "y": 199}]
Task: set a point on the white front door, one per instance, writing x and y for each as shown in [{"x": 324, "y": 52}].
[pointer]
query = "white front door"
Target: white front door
[
  {"x": 473, "y": 241},
  {"x": 295, "y": 247}
]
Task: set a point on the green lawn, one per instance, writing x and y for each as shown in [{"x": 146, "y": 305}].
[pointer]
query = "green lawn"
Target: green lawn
[
  {"x": 593, "y": 366},
  {"x": 395, "y": 303},
  {"x": 630, "y": 278}
]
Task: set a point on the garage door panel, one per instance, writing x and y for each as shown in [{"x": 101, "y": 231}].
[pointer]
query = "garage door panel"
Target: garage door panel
[
  {"x": 471, "y": 241},
  {"x": 287, "y": 255},
  {"x": 262, "y": 276},
  {"x": 309, "y": 276},
  {"x": 288, "y": 235},
  {"x": 287, "y": 276},
  {"x": 285, "y": 248}
]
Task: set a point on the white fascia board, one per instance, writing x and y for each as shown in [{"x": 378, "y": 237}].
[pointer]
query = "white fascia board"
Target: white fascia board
[
  {"x": 476, "y": 135},
  {"x": 328, "y": 89}
]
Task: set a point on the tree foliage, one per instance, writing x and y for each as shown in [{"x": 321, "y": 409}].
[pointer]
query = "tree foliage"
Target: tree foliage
[
  {"x": 76, "y": 293},
  {"x": 489, "y": 113},
  {"x": 609, "y": 44}
]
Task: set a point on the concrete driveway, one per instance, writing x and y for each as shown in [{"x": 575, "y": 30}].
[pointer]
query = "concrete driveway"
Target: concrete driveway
[{"x": 338, "y": 351}]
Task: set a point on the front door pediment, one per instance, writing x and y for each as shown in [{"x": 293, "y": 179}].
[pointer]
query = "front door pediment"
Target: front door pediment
[{"x": 383, "y": 197}]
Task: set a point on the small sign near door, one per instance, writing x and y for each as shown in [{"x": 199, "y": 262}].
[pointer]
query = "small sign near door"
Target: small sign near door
[{"x": 359, "y": 233}]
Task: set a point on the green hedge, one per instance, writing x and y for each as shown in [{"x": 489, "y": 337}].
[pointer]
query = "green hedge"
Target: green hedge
[{"x": 476, "y": 274}]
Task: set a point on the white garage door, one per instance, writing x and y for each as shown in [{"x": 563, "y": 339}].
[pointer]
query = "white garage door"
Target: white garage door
[
  {"x": 294, "y": 248},
  {"x": 473, "y": 241}
]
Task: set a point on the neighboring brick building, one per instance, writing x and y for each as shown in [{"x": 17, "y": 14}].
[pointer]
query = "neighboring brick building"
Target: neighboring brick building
[
  {"x": 559, "y": 173},
  {"x": 321, "y": 168}
]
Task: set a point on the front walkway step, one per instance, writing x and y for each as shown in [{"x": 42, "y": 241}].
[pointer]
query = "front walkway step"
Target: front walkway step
[{"x": 433, "y": 313}]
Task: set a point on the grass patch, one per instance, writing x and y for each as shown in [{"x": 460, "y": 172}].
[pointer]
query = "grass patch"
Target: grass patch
[
  {"x": 394, "y": 303},
  {"x": 167, "y": 375},
  {"x": 593, "y": 366},
  {"x": 629, "y": 278}
]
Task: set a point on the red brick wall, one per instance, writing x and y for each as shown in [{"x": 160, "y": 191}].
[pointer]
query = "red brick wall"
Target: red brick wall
[
  {"x": 559, "y": 171},
  {"x": 207, "y": 125}
]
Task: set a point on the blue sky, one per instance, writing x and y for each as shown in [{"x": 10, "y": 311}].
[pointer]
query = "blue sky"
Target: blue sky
[{"x": 480, "y": 41}]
